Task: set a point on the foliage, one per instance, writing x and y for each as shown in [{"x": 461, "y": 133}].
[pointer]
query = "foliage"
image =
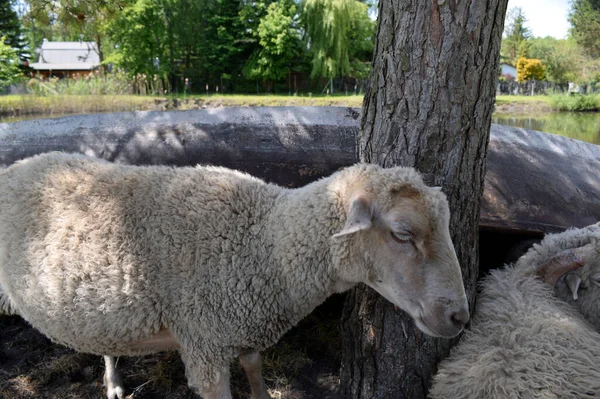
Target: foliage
[
  {"x": 361, "y": 39},
  {"x": 221, "y": 45},
  {"x": 327, "y": 24},
  {"x": 515, "y": 33},
  {"x": 95, "y": 85},
  {"x": 9, "y": 64},
  {"x": 523, "y": 49},
  {"x": 565, "y": 60},
  {"x": 558, "y": 56},
  {"x": 575, "y": 102},
  {"x": 202, "y": 45},
  {"x": 585, "y": 22},
  {"x": 140, "y": 34},
  {"x": 10, "y": 28},
  {"x": 279, "y": 44},
  {"x": 530, "y": 68}
]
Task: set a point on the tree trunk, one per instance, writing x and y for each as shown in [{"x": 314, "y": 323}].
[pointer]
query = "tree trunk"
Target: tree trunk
[{"x": 429, "y": 105}]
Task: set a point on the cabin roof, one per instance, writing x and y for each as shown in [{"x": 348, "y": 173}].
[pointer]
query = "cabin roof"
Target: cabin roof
[{"x": 70, "y": 56}]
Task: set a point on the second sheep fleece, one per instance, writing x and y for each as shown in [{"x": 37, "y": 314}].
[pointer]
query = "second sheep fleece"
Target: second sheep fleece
[
  {"x": 525, "y": 340},
  {"x": 123, "y": 260}
]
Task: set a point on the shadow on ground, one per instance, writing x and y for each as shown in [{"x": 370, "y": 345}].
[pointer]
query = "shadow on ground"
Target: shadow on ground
[{"x": 303, "y": 365}]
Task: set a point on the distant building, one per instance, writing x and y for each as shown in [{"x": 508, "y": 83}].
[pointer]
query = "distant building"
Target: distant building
[
  {"x": 508, "y": 71},
  {"x": 66, "y": 59}
]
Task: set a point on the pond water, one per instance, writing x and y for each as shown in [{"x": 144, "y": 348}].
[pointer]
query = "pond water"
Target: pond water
[{"x": 584, "y": 126}]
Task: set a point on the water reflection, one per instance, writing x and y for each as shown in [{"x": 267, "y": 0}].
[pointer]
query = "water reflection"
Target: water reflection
[{"x": 577, "y": 125}]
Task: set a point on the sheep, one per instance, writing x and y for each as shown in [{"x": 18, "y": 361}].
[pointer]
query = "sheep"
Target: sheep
[
  {"x": 580, "y": 288},
  {"x": 126, "y": 260},
  {"x": 524, "y": 341}
]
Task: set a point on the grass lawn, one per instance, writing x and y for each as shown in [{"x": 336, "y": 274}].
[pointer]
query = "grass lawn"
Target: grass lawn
[
  {"x": 510, "y": 99},
  {"x": 20, "y": 105},
  {"x": 509, "y": 104},
  {"x": 13, "y": 107}
]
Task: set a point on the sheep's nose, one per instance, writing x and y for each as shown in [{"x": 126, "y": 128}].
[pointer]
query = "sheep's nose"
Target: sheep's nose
[{"x": 460, "y": 319}]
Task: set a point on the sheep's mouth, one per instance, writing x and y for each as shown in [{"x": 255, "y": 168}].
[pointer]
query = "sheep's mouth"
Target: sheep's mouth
[{"x": 423, "y": 326}]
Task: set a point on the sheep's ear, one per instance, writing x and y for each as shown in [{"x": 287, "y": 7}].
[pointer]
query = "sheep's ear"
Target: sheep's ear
[
  {"x": 573, "y": 282},
  {"x": 560, "y": 264},
  {"x": 359, "y": 217}
]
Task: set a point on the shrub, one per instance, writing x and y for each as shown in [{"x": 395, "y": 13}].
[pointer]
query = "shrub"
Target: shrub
[
  {"x": 575, "y": 102},
  {"x": 93, "y": 84},
  {"x": 530, "y": 68}
]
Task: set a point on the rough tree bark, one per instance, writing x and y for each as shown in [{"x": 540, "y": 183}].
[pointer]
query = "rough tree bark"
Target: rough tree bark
[{"x": 429, "y": 106}]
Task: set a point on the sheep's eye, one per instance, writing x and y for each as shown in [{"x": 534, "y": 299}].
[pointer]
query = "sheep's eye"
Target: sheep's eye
[{"x": 402, "y": 237}]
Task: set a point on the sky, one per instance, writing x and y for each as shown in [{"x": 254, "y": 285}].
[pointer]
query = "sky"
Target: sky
[{"x": 545, "y": 17}]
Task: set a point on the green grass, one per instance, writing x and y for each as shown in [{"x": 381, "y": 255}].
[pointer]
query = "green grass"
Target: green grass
[
  {"x": 553, "y": 102},
  {"x": 13, "y": 107},
  {"x": 255, "y": 100},
  {"x": 20, "y": 105},
  {"x": 510, "y": 99},
  {"x": 575, "y": 102},
  {"x": 17, "y": 105}
]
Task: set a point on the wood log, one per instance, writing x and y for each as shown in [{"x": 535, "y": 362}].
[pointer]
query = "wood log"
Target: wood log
[{"x": 535, "y": 182}]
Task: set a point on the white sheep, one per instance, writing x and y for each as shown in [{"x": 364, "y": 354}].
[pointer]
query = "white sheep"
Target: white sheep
[
  {"x": 523, "y": 341},
  {"x": 125, "y": 260}
]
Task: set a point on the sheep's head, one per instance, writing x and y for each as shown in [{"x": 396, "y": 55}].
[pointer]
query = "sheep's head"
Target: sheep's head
[
  {"x": 574, "y": 272},
  {"x": 399, "y": 230},
  {"x": 579, "y": 283}
]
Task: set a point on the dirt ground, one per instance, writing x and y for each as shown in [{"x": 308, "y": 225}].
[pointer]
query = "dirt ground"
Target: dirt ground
[{"x": 303, "y": 365}]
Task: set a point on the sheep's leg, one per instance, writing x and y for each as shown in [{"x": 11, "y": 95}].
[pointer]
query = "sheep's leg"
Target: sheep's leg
[
  {"x": 112, "y": 379},
  {"x": 252, "y": 365}
]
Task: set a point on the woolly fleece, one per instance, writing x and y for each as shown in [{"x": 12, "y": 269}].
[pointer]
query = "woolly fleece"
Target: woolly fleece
[
  {"x": 97, "y": 255},
  {"x": 524, "y": 342},
  {"x": 588, "y": 302}
]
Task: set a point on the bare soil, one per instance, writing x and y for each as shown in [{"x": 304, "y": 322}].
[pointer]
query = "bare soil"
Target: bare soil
[{"x": 303, "y": 365}]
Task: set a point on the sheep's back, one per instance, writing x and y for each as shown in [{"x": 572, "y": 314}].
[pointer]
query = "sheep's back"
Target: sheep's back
[
  {"x": 92, "y": 252},
  {"x": 523, "y": 342}
]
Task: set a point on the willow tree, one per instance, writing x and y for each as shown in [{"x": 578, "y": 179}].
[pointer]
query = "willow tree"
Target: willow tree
[
  {"x": 429, "y": 106},
  {"x": 327, "y": 25}
]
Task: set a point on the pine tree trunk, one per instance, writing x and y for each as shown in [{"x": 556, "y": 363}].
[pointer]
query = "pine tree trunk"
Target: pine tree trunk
[{"x": 429, "y": 105}]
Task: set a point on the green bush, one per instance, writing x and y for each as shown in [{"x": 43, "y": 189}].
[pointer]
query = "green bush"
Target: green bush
[{"x": 575, "y": 102}]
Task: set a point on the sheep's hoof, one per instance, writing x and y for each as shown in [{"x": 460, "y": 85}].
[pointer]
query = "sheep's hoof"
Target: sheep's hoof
[{"x": 114, "y": 387}]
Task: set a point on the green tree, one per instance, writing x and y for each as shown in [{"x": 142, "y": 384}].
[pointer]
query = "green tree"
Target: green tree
[
  {"x": 222, "y": 44},
  {"x": 523, "y": 49},
  {"x": 140, "y": 35},
  {"x": 563, "y": 58},
  {"x": 9, "y": 64},
  {"x": 10, "y": 28},
  {"x": 585, "y": 22},
  {"x": 279, "y": 44},
  {"x": 327, "y": 24},
  {"x": 361, "y": 41},
  {"x": 515, "y": 33},
  {"x": 202, "y": 41}
]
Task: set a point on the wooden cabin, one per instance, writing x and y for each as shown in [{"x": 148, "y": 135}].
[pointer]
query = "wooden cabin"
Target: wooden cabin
[{"x": 66, "y": 59}]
